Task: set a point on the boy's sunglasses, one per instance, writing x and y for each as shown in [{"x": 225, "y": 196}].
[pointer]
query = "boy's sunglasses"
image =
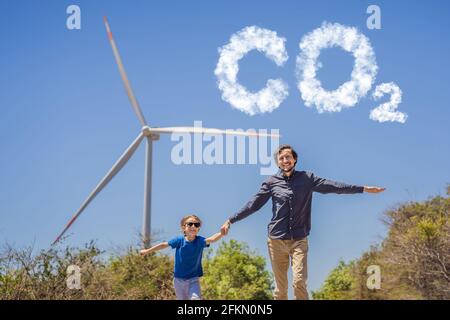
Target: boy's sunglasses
[{"x": 190, "y": 224}]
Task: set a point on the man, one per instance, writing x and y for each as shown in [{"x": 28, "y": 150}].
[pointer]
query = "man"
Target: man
[{"x": 291, "y": 193}]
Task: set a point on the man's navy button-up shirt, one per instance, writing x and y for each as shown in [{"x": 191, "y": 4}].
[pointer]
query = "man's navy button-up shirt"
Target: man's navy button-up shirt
[{"x": 291, "y": 202}]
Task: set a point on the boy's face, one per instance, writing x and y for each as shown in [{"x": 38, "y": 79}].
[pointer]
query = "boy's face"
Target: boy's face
[{"x": 191, "y": 227}]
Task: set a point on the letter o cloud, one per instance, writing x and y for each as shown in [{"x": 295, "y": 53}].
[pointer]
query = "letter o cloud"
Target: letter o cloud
[
  {"x": 249, "y": 38},
  {"x": 363, "y": 74}
]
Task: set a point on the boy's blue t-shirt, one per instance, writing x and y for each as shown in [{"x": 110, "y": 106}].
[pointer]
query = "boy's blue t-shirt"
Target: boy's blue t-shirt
[{"x": 188, "y": 256}]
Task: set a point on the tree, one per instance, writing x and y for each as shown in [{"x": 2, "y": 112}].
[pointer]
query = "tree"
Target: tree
[
  {"x": 419, "y": 244},
  {"x": 338, "y": 285},
  {"x": 414, "y": 258},
  {"x": 236, "y": 273}
]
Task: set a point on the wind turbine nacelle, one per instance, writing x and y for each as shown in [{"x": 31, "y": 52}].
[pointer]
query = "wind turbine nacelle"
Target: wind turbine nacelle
[{"x": 148, "y": 133}]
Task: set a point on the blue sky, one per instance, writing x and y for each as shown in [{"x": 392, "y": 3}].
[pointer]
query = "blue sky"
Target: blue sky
[{"x": 65, "y": 118}]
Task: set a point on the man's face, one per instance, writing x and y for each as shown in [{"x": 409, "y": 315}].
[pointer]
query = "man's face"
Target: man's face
[{"x": 286, "y": 160}]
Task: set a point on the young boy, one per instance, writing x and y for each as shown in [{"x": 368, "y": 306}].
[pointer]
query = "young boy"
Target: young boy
[{"x": 188, "y": 257}]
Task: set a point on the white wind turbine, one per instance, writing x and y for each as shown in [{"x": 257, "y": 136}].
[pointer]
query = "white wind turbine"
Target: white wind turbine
[{"x": 150, "y": 134}]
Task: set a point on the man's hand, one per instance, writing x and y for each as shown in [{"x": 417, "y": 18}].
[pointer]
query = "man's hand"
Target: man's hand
[
  {"x": 373, "y": 189},
  {"x": 225, "y": 227}
]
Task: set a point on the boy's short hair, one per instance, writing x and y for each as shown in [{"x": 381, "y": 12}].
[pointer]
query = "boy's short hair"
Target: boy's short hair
[
  {"x": 284, "y": 147},
  {"x": 183, "y": 220}
]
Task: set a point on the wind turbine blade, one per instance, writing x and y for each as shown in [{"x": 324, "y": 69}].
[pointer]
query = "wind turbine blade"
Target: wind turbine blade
[
  {"x": 106, "y": 179},
  {"x": 211, "y": 131},
  {"x": 123, "y": 74}
]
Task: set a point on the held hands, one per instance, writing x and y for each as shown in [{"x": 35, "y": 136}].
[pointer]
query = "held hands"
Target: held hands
[
  {"x": 225, "y": 228},
  {"x": 373, "y": 189}
]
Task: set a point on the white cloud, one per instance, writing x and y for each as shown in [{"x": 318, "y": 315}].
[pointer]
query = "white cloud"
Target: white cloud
[
  {"x": 249, "y": 38},
  {"x": 362, "y": 77},
  {"x": 386, "y": 111}
]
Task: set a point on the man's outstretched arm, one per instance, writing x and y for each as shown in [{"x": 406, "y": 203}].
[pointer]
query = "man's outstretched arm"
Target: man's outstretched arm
[
  {"x": 252, "y": 206},
  {"x": 329, "y": 186}
]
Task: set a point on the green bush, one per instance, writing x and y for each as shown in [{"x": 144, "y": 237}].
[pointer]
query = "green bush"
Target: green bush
[
  {"x": 236, "y": 273},
  {"x": 414, "y": 258},
  {"x": 126, "y": 275}
]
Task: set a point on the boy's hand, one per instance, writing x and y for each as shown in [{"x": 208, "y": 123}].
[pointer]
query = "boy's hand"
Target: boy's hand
[
  {"x": 225, "y": 228},
  {"x": 143, "y": 252}
]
